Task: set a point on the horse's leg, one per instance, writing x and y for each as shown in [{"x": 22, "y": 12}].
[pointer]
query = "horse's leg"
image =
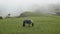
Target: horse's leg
[
  {"x": 23, "y": 24},
  {"x": 32, "y": 24}
]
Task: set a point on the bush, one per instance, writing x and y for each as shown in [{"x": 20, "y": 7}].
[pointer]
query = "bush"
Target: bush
[
  {"x": 58, "y": 13},
  {"x": 1, "y": 17}
]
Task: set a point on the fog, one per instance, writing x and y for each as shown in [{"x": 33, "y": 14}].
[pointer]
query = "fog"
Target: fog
[{"x": 16, "y": 7}]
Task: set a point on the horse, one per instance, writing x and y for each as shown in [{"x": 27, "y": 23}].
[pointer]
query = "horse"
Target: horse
[{"x": 28, "y": 21}]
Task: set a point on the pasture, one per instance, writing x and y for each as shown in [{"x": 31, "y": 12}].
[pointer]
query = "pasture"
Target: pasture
[{"x": 42, "y": 25}]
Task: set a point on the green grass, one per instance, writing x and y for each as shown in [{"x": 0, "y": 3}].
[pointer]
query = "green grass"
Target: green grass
[{"x": 43, "y": 25}]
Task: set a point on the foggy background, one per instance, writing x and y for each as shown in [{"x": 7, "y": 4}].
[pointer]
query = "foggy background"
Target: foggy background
[{"x": 16, "y": 7}]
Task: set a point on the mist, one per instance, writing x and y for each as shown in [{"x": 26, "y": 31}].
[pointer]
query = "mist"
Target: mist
[{"x": 16, "y": 7}]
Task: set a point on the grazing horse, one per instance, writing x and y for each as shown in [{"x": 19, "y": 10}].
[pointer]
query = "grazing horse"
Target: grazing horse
[{"x": 28, "y": 21}]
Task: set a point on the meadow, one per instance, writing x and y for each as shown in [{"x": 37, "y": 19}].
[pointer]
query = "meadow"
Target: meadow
[{"x": 42, "y": 25}]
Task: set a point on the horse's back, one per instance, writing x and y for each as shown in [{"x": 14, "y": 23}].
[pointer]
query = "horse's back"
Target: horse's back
[{"x": 28, "y": 21}]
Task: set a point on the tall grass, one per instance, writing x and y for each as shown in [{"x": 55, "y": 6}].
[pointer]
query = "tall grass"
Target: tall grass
[{"x": 42, "y": 25}]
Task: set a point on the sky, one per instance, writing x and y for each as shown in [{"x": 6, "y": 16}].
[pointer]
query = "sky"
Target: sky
[{"x": 15, "y": 7}]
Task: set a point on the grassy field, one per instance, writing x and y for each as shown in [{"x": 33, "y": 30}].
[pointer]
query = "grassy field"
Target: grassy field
[{"x": 43, "y": 25}]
